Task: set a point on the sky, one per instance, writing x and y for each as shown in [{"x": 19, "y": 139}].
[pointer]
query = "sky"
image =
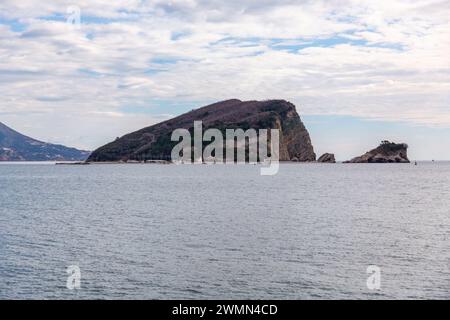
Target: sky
[{"x": 358, "y": 71}]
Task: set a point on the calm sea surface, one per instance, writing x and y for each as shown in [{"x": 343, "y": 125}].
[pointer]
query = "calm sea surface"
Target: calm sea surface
[{"x": 223, "y": 232}]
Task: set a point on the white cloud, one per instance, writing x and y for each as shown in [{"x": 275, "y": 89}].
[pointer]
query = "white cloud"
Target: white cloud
[{"x": 379, "y": 60}]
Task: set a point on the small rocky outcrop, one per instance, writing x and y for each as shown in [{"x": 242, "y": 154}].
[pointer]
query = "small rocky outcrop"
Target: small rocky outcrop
[
  {"x": 327, "y": 158},
  {"x": 155, "y": 142},
  {"x": 387, "y": 152}
]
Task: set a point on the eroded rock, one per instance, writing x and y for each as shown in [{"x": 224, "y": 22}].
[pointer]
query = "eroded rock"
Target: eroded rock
[{"x": 386, "y": 152}]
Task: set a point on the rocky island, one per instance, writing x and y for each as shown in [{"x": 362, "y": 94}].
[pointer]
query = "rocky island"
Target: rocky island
[
  {"x": 386, "y": 152},
  {"x": 154, "y": 142},
  {"x": 327, "y": 158}
]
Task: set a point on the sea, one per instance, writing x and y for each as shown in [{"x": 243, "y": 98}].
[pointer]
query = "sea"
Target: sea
[{"x": 151, "y": 231}]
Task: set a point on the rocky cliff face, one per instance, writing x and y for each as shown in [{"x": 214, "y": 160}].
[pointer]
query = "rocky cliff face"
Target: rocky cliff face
[
  {"x": 155, "y": 142},
  {"x": 17, "y": 147},
  {"x": 387, "y": 152}
]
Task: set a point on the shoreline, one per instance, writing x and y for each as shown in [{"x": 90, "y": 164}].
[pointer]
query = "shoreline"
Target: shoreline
[{"x": 166, "y": 162}]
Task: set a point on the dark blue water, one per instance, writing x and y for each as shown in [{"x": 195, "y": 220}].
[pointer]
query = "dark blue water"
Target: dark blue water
[{"x": 223, "y": 232}]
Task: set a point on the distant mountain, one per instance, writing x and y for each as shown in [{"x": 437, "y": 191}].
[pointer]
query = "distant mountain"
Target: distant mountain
[
  {"x": 155, "y": 142},
  {"x": 17, "y": 147}
]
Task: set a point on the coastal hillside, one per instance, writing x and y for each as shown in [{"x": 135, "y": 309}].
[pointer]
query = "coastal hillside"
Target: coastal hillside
[
  {"x": 154, "y": 142},
  {"x": 15, "y": 146}
]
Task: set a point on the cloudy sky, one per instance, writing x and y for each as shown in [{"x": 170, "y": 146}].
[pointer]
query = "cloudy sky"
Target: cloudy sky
[{"x": 358, "y": 71}]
